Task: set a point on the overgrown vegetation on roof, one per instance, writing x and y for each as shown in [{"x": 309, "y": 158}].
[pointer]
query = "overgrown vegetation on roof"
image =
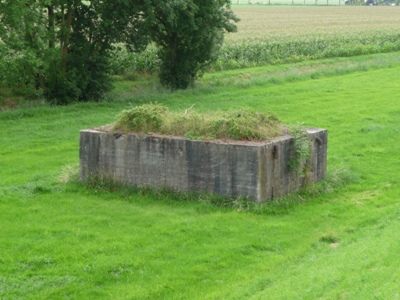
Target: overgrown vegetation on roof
[{"x": 242, "y": 124}]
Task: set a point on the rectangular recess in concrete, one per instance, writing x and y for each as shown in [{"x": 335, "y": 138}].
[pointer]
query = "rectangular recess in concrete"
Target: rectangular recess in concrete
[{"x": 256, "y": 170}]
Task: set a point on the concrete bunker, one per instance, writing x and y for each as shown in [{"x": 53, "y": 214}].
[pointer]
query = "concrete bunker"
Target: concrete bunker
[{"x": 255, "y": 170}]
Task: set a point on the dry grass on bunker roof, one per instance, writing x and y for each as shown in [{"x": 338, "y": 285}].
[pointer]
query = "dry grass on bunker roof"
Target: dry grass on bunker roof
[{"x": 241, "y": 124}]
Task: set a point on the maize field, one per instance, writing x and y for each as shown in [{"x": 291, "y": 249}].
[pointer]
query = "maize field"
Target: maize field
[{"x": 274, "y": 35}]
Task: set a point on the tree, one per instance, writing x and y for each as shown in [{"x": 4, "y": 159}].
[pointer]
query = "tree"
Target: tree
[
  {"x": 88, "y": 31},
  {"x": 62, "y": 46},
  {"x": 21, "y": 42},
  {"x": 189, "y": 34}
]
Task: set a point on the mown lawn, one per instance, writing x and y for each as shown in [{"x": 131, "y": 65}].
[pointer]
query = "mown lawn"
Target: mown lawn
[{"x": 65, "y": 240}]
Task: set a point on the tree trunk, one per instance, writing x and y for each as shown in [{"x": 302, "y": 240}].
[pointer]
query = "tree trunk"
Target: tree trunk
[
  {"x": 51, "y": 16},
  {"x": 67, "y": 24}
]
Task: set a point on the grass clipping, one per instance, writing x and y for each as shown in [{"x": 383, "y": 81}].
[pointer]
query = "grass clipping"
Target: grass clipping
[{"x": 240, "y": 124}]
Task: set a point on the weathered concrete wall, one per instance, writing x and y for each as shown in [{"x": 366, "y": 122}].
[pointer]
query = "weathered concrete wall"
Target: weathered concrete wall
[{"x": 257, "y": 170}]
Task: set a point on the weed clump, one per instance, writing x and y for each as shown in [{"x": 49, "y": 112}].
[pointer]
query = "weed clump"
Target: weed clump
[
  {"x": 146, "y": 118},
  {"x": 240, "y": 124}
]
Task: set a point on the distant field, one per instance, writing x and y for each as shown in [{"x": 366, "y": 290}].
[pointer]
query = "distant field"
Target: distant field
[
  {"x": 271, "y": 35},
  {"x": 286, "y": 34},
  {"x": 296, "y": 23},
  {"x": 290, "y": 2}
]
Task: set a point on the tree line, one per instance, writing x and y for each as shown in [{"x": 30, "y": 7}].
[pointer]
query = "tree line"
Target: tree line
[{"x": 61, "y": 48}]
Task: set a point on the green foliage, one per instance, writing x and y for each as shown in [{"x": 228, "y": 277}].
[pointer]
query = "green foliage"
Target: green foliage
[
  {"x": 188, "y": 34},
  {"x": 21, "y": 73},
  {"x": 85, "y": 77},
  {"x": 22, "y": 46},
  {"x": 236, "y": 125},
  {"x": 61, "y": 86},
  {"x": 299, "y": 161},
  {"x": 123, "y": 61},
  {"x": 62, "y": 47}
]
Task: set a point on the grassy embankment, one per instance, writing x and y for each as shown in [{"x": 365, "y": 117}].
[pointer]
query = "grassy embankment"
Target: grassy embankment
[{"x": 62, "y": 240}]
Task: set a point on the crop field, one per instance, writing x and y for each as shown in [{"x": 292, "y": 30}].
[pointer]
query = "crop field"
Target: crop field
[
  {"x": 280, "y": 23},
  {"x": 285, "y": 34},
  {"x": 289, "y": 2},
  {"x": 273, "y": 35}
]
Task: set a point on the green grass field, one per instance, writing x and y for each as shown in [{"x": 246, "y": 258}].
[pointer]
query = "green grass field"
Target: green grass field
[{"x": 337, "y": 240}]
